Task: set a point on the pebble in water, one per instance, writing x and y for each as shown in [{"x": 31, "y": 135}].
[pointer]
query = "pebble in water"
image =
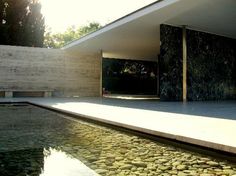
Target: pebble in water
[
  {"x": 134, "y": 155},
  {"x": 107, "y": 151}
]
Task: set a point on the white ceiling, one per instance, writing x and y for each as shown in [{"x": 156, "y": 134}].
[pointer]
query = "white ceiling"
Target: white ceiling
[
  {"x": 213, "y": 16},
  {"x": 137, "y": 36}
]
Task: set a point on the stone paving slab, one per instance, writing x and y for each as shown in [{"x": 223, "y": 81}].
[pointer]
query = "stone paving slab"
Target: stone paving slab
[{"x": 208, "y": 124}]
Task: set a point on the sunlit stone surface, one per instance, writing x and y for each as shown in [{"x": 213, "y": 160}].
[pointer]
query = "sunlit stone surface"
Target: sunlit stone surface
[{"x": 38, "y": 142}]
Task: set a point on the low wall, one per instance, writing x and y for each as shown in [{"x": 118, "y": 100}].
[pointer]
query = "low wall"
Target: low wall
[{"x": 40, "y": 69}]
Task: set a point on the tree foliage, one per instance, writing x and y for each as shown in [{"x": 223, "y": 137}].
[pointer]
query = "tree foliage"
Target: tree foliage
[
  {"x": 21, "y": 23},
  {"x": 58, "y": 40}
]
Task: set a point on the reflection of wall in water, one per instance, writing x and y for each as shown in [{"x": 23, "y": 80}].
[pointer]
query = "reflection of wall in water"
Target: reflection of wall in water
[{"x": 22, "y": 162}]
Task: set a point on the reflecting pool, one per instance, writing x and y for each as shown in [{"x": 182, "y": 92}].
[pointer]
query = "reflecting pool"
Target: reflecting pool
[{"x": 38, "y": 142}]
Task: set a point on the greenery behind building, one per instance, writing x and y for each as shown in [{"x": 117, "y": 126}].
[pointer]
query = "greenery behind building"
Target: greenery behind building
[{"x": 21, "y": 23}]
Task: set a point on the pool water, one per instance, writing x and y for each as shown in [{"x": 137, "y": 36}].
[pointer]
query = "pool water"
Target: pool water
[{"x": 38, "y": 142}]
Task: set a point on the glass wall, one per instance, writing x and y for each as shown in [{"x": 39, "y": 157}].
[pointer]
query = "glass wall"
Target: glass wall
[{"x": 121, "y": 76}]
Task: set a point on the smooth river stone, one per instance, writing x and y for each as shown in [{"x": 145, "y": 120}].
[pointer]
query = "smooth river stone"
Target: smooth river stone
[
  {"x": 212, "y": 163},
  {"x": 139, "y": 164},
  {"x": 181, "y": 167}
]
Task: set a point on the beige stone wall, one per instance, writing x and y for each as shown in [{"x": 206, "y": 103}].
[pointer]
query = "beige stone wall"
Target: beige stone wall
[{"x": 40, "y": 69}]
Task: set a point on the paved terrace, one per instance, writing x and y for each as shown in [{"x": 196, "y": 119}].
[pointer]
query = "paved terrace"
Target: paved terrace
[{"x": 209, "y": 124}]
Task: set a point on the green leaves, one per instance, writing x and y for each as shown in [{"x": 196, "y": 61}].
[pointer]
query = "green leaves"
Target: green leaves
[
  {"x": 58, "y": 40},
  {"x": 21, "y": 23}
]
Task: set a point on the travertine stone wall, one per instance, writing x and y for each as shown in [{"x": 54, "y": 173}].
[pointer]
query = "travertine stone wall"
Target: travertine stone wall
[{"x": 40, "y": 69}]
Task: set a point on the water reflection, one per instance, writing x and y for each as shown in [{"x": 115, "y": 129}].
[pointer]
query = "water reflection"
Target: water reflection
[
  {"x": 37, "y": 142},
  {"x": 22, "y": 162},
  {"x": 58, "y": 163},
  {"x": 41, "y": 162}
]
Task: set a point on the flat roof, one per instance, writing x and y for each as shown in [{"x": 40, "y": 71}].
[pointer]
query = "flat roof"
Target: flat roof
[{"x": 137, "y": 35}]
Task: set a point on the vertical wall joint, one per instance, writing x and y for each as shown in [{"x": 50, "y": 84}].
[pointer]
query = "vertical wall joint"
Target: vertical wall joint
[{"x": 184, "y": 65}]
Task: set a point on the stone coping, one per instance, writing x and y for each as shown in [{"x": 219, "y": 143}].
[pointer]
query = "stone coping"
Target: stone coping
[{"x": 200, "y": 137}]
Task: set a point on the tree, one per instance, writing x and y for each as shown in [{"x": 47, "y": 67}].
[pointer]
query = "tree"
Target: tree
[
  {"x": 21, "y": 23},
  {"x": 4, "y": 38},
  {"x": 58, "y": 40},
  {"x": 34, "y": 26},
  {"x": 89, "y": 28}
]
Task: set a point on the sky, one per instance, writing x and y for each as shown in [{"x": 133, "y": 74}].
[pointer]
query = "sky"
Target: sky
[{"x": 61, "y": 14}]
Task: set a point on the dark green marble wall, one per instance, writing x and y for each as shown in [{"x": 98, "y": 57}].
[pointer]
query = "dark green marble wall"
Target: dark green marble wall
[
  {"x": 170, "y": 60},
  {"x": 211, "y": 65}
]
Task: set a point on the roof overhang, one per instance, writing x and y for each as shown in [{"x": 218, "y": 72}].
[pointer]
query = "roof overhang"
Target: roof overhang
[{"x": 137, "y": 35}]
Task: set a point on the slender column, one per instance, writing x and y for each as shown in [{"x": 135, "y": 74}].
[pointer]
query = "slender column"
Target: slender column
[
  {"x": 158, "y": 77},
  {"x": 101, "y": 91},
  {"x": 184, "y": 65}
]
